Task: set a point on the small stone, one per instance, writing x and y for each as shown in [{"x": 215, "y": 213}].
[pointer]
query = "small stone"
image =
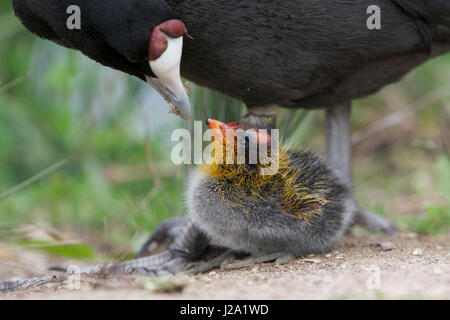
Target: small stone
[
  {"x": 437, "y": 271},
  {"x": 329, "y": 264},
  {"x": 312, "y": 260},
  {"x": 386, "y": 245},
  {"x": 165, "y": 284},
  {"x": 417, "y": 252},
  {"x": 410, "y": 235},
  {"x": 328, "y": 255}
]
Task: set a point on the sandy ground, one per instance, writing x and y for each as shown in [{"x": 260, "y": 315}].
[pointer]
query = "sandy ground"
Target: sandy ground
[{"x": 359, "y": 268}]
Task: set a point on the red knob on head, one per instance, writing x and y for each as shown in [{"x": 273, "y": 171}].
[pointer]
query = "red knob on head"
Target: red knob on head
[
  {"x": 158, "y": 41},
  {"x": 173, "y": 28}
]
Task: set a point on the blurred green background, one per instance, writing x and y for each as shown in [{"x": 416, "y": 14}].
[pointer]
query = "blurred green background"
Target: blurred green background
[{"x": 57, "y": 104}]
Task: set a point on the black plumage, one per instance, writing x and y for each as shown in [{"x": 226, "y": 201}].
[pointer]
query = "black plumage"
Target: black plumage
[
  {"x": 115, "y": 33},
  {"x": 300, "y": 53},
  {"x": 307, "y": 53}
]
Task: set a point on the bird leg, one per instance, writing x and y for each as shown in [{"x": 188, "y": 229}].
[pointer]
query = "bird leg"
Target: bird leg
[
  {"x": 339, "y": 160},
  {"x": 231, "y": 259},
  {"x": 164, "y": 233},
  {"x": 14, "y": 285},
  {"x": 261, "y": 117},
  {"x": 211, "y": 258},
  {"x": 217, "y": 262},
  {"x": 188, "y": 246}
]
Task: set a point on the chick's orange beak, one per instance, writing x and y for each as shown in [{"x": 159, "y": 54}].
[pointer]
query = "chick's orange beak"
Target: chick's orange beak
[
  {"x": 222, "y": 131},
  {"x": 214, "y": 124}
]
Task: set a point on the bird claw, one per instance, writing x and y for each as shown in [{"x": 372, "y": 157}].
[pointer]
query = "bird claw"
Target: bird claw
[
  {"x": 375, "y": 223},
  {"x": 144, "y": 271},
  {"x": 286, "y": 258},
  {"x": 217, "y": 262}
]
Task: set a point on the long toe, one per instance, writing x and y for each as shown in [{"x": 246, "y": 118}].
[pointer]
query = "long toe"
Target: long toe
[
  {"x": 375, "y": 223},
  {"x": 170, "y": 267},
  {"x": 278, "y": 257},
  {"x": 14, "y": 285},
  {"x": 214, "y": 263},
  {"x": 164, "y": 233}
]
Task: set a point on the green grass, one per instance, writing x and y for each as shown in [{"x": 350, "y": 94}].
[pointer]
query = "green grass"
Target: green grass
[
  {"x": 75, "y": 251},
  {"x": 435, "y": 221}
]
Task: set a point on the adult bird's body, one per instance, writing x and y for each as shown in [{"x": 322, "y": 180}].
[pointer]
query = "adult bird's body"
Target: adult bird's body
[
  {"x": 300, "y": 54},
  {"x": 304, "y": 53}
]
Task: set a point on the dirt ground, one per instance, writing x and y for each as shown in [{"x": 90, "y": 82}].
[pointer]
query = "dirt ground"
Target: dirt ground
[{"x": 406, "y": 266}]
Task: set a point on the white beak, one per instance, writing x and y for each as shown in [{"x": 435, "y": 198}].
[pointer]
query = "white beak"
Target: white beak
[{"x": 168, "y": 82}]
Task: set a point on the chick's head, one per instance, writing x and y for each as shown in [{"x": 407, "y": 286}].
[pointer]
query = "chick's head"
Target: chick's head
[
  {"x": 236, "y": 143},
  {"x": 245, "y": 155}
]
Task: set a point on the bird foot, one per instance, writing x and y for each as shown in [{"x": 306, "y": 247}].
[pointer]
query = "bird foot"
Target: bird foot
[
  {"x": 198, "y": 261},
  {"x": 204, "y": 266},
  {"x": 167, "y": 262},
  {"x": 172, "y": 266},
  {"x": 375, "y": 223},
  {"x": 278, "y": 257},
  {"x": 173, "y": 261},
  {"x": 232, "y": 259},
  {"x": 14, "y": 285}
]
